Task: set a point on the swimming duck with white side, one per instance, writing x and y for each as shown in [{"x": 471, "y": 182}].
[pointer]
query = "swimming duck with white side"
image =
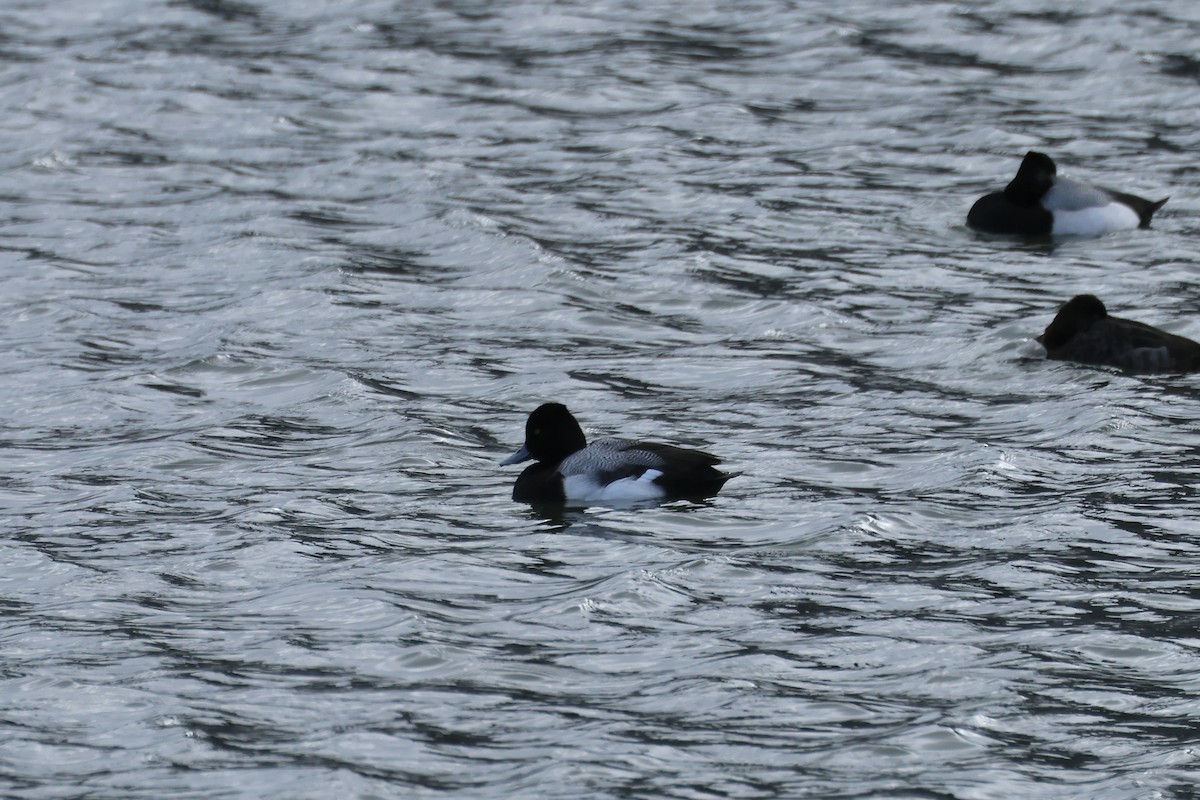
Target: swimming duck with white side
[
  {"x": 609, "y": 470},
  {"x": 1039, "y": 202}
]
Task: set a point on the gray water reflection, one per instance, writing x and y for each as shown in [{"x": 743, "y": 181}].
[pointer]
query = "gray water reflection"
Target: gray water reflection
[{"x": 282, "y": 282}]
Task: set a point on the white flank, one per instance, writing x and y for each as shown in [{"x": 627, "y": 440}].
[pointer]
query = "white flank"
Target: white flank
[
  {"x": 586, "y": 489},
  {"x": 1095, "y": 221}
]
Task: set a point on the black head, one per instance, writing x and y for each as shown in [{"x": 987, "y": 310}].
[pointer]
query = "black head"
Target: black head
[
  {"x": 1076, "y": 316},
  {"x": 551, "y": 434},
  {"x": 1034, "y": 178}
]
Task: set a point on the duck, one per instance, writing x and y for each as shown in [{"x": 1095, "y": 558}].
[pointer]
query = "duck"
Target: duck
[
  {"x": 570, "y": 470},
  {"x": 1083, "y": 332},
  {"x": 1039, "y": 203}
]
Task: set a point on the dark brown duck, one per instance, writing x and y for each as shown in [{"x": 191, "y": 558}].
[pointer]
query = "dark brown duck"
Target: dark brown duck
[{"x": 1084, "y": 332}]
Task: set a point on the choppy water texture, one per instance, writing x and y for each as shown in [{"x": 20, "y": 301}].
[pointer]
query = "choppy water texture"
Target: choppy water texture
[{"x": 281, "y": 282}]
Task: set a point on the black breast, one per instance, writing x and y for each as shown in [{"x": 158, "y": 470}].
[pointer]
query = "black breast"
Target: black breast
[{"x": 995, "y": 213}]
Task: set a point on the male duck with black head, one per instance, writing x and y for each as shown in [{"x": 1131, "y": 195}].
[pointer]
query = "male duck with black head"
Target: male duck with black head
[
  {"x": 1083, "y": 332},
  {"x": 569, "y": 470},
  {"x": 1038, "y": 202}
]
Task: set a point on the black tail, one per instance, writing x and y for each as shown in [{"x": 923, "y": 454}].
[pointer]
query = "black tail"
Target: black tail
[
  {"x": 1141, "y": 206},
  {"x": 1145, "y": 216}
]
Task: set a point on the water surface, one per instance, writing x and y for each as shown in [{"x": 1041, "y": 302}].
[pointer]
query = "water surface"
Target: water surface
[{"x": 283, "y": 280}]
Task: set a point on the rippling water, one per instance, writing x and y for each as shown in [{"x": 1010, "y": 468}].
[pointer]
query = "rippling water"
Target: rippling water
[{"x": 283, "y": 280}]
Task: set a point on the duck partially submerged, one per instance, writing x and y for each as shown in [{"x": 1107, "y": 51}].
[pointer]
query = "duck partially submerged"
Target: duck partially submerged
[
  {"x": 1083, "y": 332},
  {"x": 569, "y": 470},
  {"x": 1038, "y": 202}
]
